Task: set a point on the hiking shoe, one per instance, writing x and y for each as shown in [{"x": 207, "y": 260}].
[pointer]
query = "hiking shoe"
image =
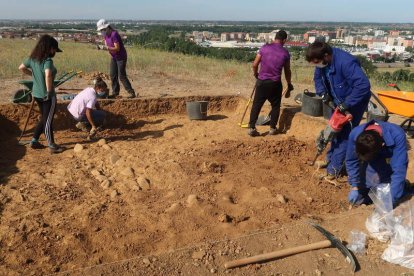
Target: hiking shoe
[
  {"x": 131, "y": 95},
  {"x": 56, "y": 149},
  {"x": 82, "y": 126},
  {"x": 272, "y": 131},
  {"x": 36, "y": 145},
  {"x": 113, "y": 96},
  {"x": 253, "y": 132}
]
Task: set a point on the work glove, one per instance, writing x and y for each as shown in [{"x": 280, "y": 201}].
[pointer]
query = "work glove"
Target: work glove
[
  {"x": 289, "y": 89},
  {"x": 355, "y": 198},
  {"x": 343, "y": 108},
  {"x": 326, "y": 98}
]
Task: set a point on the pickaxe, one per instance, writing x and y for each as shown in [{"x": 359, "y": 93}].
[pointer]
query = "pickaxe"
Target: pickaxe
[{"x": 330, "y": 242}]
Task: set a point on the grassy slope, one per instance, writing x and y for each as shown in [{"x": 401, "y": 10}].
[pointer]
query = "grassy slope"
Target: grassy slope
[{"x": 85, "y": 57}]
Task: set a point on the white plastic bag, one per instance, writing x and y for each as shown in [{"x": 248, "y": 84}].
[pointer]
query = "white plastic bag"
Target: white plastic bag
[{"x": 395, "y": 225}]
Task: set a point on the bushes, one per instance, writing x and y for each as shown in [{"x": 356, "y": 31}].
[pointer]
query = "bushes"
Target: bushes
[{"x": 159, "y": 39}]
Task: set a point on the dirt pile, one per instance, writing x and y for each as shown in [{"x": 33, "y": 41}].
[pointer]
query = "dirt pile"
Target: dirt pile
[{"x": 93, "y": 75}]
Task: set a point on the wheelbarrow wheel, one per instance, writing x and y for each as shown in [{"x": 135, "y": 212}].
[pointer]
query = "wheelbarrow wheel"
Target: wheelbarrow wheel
[{"x": 22, "y": 96}]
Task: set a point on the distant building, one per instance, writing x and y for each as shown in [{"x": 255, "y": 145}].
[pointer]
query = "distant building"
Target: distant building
[
  {"x": 224, "y": 37},
  {"x": 394, "y": 33},
  {"x": 408, "y": 43},
  {"x": 394, "y": 49},
  {"x": 350, "y": 40},
  {"x": 379, "y": 33}
]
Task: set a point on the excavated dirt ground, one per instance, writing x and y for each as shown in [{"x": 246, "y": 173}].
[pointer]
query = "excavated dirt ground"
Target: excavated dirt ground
[{"x": 169, "y": 196}]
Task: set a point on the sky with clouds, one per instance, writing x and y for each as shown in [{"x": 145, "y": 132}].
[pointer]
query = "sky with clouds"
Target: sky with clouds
[{"x": 398, "y": 11}]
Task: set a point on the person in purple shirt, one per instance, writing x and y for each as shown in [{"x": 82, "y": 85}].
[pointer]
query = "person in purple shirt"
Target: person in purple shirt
[
  {"x": 273, "y": 58},
  {"x": 115, "y": 46}
]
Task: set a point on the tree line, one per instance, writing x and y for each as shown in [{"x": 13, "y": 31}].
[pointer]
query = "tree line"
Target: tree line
[{"x": 163, "y": 40}]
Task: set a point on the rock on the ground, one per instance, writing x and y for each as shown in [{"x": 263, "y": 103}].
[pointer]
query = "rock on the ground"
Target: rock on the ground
[
  {"x": 281, "y": 198},
  {"x": 95, "y": 173},
  {"x": 102, "y": 142},
  {"x": 192, "y": 200},
  {"x": 106, "y": 147},
  {"x": 78, "y": 148},
  {"x": 128, "y": 172},
  {"x": 106, "y": 184},
  {"x": 198, "y": 255},
  {"x": 174, "y": 207},
  {"x": 114, "y": 194},
  {"x": 114, "y": 158},
  {"x": 143, "y": 183}
]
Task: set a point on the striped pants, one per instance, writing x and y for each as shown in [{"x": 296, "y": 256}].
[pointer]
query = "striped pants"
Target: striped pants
[{"x": 47, "y": 112}]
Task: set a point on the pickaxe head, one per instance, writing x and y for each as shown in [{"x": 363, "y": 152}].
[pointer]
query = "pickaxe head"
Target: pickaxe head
[{"x": 350, "y": 258}]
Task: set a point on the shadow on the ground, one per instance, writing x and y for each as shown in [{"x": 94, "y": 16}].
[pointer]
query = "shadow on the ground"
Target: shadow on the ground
[
  {"x": 141, "y": 135},
  {"x": 217, "y": 117},
  {"x": 286, "y": 117},
  {"x": 10, "y": 150}
]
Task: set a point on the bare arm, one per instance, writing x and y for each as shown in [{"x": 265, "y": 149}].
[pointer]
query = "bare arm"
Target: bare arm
[
  {"x": 115, "y": 49},
  {"x": 24, "y": 70},
  {"x": 49, "y": 80},
  {"x": 288, "y": 72},
  {"x": 255, "y": 65},
  {"x": 89, "y": 117}
]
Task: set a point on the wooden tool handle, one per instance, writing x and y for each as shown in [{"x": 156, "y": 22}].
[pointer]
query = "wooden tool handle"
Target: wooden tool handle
[{"x": 278, "y": 254}]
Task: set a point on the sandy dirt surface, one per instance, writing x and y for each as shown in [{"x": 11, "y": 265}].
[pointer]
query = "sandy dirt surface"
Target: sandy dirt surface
[{"x": 163, "y": 195}]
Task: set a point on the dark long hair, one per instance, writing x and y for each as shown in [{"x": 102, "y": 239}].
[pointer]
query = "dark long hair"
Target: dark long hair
[{"x": 42, "y": 49}]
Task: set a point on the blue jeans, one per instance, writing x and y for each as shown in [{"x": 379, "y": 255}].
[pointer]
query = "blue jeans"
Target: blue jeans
[{"x": 98, "y": 117}]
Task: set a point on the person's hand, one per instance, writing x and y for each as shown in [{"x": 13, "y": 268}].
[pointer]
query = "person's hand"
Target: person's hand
[
  {"x": 255, "y": 75},
  {"x": 288, "y": 90},
  {"x": 343, "y": 108},
  {"x": 48, "y": 96},
  {"x": 326, "y": 98},
  {"x": 355, "y": 198},
  {"x": 93, "y": 131}
]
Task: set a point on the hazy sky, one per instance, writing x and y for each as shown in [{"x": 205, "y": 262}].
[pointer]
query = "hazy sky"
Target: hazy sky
[{"x": 399, "y": 11}]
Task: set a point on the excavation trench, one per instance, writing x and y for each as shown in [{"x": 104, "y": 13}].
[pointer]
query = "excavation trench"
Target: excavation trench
[{"x": 159, "y": 183}]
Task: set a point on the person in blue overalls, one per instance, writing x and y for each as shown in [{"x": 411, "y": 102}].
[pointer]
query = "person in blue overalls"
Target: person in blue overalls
[
  {"x": 339, "y": 79},
  {"x": 376, "y": 154}
]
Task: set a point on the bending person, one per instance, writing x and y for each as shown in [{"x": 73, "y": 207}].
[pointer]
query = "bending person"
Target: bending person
[
  {"x": 40, "y": 66},
  {"x": 376, "y": 154},
  {"x": 85, "y": 108}
]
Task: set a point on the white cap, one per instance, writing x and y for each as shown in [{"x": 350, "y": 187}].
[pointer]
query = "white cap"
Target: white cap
[{"x": 102, "y": 24}]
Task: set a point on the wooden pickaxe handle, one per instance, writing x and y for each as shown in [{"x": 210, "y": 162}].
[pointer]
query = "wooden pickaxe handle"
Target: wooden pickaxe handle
[{"x": 278, "y": 254}]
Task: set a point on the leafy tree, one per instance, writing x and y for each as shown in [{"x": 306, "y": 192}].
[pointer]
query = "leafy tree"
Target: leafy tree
[{"x": 367, "y": 65}]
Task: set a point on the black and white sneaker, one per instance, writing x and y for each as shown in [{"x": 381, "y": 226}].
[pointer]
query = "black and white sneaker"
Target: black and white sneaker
[
  {"x": 253, "y": 132},
  {"x": 56, "y": 149}
]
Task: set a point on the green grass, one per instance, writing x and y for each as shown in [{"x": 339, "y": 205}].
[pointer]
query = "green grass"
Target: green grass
[{"x": 85, "y": 57}]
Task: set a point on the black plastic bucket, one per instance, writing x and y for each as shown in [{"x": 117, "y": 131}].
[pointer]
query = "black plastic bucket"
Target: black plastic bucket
[
  {"x": 311, "y": 104},
  {"x": 197, "y": 110},
  {"x": 376, "y": 115}
]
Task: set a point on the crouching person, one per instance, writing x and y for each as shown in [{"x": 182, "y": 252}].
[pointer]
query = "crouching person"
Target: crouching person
[
  {"x": 376, "y": 154},
  {"x": 86, "y": 110}
]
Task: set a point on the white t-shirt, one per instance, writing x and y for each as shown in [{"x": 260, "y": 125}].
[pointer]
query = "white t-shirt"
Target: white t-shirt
[{"x": 85, "y": 99}]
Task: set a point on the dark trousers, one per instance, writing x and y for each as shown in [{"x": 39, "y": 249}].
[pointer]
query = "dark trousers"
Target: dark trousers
[
  {"x": 117, "y": 71},
  {"x": 266, "y": 90},
  {"x": 47, "y": 112}
]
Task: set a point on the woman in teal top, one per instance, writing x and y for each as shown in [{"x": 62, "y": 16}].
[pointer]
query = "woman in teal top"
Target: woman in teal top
[{"x": 40, "y": 66}]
